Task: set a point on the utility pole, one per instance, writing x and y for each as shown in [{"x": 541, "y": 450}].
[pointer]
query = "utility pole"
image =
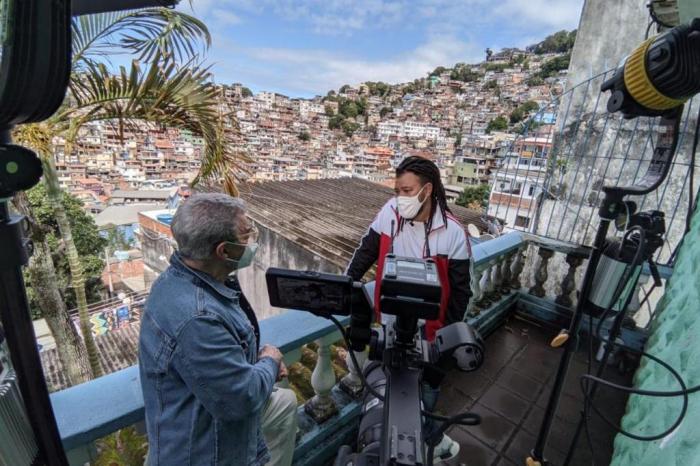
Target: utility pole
[{"x": 109, "y": 272}]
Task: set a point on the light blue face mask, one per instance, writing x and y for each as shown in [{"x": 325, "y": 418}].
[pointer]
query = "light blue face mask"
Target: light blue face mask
[{"x": 246, "y": 258}]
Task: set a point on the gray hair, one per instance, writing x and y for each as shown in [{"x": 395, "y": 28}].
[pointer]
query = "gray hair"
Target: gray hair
[{"x": 205, "y": 220}]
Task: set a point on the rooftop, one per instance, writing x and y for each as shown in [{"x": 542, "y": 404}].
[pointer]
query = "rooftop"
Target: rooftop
[
  {"x": 328, "y": 217},
  {"x": 123, "y": 214},
  {"x": 143, "y": 194}
]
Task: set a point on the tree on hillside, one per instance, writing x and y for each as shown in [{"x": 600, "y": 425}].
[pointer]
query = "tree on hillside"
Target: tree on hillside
[
  {"x": 555, "y": 65},
  {"x": 438, "y": 71},
  {"x": 474, "y": 197},
  {"x": 497, "y": 124},
  {"x": 245, "y": 92},
  {"x": 164, "y": 91},
  {"x": 489, "y": 54},
  {"x": 559, "y": 42},
  {"x": 522, "y": 111},
  {"x": 88, "y": 242}
]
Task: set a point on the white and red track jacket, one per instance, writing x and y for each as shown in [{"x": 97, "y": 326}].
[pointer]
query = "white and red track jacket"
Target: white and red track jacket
[{"x": 446, "y": 243}]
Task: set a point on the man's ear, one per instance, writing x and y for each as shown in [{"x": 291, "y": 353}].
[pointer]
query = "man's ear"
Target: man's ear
[{"x": 220, "y": 251}]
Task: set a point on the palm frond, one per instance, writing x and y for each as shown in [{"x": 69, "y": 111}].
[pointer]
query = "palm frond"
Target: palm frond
[
  {"x": 144, "y": 33},
  {"x": 182, "y": 97}
]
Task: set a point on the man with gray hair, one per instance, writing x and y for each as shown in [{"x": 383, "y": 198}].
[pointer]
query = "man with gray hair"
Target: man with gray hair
[{"x": 208, "y": 389}]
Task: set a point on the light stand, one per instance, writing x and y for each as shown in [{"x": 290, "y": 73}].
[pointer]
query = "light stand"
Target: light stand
[
  {"x": 14, "y": 309},
  {"x": 611, "y": 207}
]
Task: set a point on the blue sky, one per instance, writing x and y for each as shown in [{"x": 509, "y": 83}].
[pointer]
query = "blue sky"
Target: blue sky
[{"x": 307, "y": 47}]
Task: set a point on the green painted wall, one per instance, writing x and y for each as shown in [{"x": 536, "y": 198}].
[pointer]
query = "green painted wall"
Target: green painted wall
[{"x": 675, "y": 338}]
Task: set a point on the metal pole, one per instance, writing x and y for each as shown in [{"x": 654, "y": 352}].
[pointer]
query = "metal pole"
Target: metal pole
[
  {"x": 570, "y": 345},
  {"x": 21, "y": 340}
]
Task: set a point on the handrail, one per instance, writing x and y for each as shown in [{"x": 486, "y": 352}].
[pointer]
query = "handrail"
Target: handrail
[{"x": 96, "y": 408}]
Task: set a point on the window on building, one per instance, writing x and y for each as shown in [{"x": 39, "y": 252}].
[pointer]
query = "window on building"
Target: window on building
[
  {"x": 460, "y": 179},
  {"x": 522, "y": 221},
  {"x": 531, "y": 191}
]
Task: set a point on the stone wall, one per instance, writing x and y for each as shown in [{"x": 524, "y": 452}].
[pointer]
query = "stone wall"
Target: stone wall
[{"x": 674, "y": 339}]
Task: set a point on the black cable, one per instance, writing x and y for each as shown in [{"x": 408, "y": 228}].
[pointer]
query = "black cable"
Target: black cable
[
  {"x": 360, "y": 373},
  {"x": 646, "y": 35},
  {"x": 463, "y": 419},
  {"x": 588, "y": 402},
  {"x": 691, "y": 194},
  {"x": 655, "y": 18},
  {"x": 616, "y": 296}
]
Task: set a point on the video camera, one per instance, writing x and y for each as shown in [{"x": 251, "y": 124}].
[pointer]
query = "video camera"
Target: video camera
[{"x": 400, "y": 358}]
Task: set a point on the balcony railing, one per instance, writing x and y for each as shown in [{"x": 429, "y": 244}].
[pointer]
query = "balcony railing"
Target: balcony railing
[{"x": 90, "y": 411}]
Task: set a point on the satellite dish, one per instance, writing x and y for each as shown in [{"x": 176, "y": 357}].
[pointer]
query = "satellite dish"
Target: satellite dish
[{"x": 473, "y": 231}]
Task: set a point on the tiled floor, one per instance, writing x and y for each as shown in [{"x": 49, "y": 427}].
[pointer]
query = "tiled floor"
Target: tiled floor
[{"x": 510, "y": 392}]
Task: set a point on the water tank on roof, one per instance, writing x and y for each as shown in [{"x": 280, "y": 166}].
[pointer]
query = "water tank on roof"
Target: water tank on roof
[{"x": 165, "y": 218}]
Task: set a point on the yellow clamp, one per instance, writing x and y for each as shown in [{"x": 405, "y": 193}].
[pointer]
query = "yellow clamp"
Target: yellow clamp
[{"x": 531, "y": 462}]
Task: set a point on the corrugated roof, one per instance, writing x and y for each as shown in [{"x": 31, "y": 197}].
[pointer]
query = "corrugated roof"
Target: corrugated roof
[
  {"x": 123, "y": 214},
  {"x": 327, "y": 217}
]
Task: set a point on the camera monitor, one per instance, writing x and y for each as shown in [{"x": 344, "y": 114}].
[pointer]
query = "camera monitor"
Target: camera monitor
[
  {"x": 322, "y": 294},
  {"x": 410, "y": 286}
]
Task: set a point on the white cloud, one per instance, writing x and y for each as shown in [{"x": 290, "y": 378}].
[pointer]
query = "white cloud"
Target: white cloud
[
  {"x": 558, "y": 14},
  {"x": 310, "y": 72},
  {"x": 225, "y": 17}
]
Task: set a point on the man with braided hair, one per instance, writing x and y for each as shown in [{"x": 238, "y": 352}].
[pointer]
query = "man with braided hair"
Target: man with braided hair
[{"x": 418, "y": 223}]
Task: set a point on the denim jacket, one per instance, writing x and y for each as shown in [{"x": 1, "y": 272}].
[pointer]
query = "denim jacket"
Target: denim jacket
[{"x": 203, "y": 387}]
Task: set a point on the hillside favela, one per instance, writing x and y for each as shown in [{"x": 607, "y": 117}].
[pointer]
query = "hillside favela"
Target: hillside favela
[{"x": 350, "y": 233}]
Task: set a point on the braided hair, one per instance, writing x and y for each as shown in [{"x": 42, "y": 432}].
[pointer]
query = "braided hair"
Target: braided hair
[{"x": 428, "y": 172}]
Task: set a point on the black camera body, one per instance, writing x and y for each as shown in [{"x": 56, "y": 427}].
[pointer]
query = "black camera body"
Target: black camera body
[{"x": 400, "y": 358}]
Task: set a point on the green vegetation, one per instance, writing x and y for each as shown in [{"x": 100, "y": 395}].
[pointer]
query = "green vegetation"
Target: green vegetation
[
  {"x": 492, "y": 84},
  {"x": 124, "y": 447},
  {"x": 438, "y": 71},
  {"x": 522, "y": 111},
  {"x": 116, "y": 239},
  {"x": 462, "y": 72},
  {"x": 559, "y": 42},
  {"x": 348, "y": 110},
  {"x": 384, "y": 111},
  {"x": 344, "y": 88},
  {"x": 245, "y": 92},
  {"x": 378, "y": 88},
  {"x": 88, "y": 242},
  {"x": 304, "y": 136},
  {"x": 349, "y": 127},
  {"x": 497, "y": 124},
  {"x": 329, "y": 110},
  {"x": 417, "y": 84},
  {"x": 535, "y": 81},
  {"x": 474, "y": 197},
  {"x": 497, "y": 67}
]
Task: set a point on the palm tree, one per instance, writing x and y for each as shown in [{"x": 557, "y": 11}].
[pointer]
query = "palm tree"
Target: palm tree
[{"x": 173, "y": 90}]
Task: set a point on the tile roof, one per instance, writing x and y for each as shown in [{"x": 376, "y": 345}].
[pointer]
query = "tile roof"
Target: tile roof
[
  {"x": 327, "y": 217},
  {"x": 117, "y": 350}
]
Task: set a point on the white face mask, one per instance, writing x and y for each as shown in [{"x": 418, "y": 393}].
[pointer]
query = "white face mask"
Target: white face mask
[{"x": 409, "y": 206}]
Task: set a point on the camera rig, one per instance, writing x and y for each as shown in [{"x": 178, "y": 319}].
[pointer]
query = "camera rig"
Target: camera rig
[{"x": 401, "y": 359}]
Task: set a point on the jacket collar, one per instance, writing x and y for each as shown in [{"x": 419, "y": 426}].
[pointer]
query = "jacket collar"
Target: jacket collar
[{"x": 178, "y": 264}]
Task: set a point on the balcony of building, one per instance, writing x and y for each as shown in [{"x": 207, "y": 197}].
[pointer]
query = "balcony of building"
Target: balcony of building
[{"x": 512, "y": 309}]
